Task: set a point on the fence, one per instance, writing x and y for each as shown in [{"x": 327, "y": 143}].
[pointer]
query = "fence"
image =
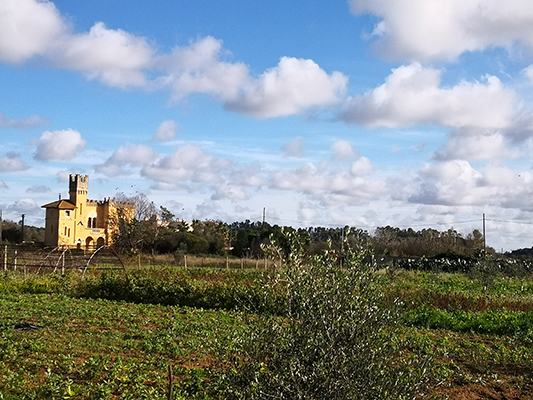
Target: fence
[{"x": 35, "y": 260}]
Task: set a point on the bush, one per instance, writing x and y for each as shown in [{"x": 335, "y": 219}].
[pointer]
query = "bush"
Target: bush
[{"x": 333, "y": 340}]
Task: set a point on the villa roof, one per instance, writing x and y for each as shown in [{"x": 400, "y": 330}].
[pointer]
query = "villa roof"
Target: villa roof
[{"x": 60, "y": 204}]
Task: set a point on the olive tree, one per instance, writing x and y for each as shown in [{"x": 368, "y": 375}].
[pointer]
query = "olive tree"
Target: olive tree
[{"x": 335, "y": 337}]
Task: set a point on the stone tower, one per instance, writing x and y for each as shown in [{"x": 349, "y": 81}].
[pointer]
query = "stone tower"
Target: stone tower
[{"x": 78, "y": 188}]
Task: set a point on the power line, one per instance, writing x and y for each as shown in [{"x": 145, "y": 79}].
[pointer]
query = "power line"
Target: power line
[
  {"x": 511, "y": 222},
  {"x": 376, "y": 226}
]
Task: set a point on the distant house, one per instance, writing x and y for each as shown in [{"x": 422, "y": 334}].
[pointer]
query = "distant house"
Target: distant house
[{"x": 81, "y": 223}]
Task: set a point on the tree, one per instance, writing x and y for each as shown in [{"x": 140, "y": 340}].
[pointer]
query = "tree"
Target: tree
[
  {"x": 138, "y": 232},
  {"x": 333, "y": 340}
]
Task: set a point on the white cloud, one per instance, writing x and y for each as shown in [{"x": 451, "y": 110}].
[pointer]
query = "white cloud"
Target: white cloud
[
  {"x": 38, "y": 189},
  {"x": 412, "y": 95},
  {"x": 343, "y": 150},
  {"x": 116, "y": 57},
  {"x": 467, "y": 145},
  {"x": 28, "y": 28},
  {"x": 24, "y": 205},
  {"x": 228, "y": 191},
  {"x": 120, "y": 59},
  {"x": 294, "y": 148},
  {"x": 63, "y": 175},
  {"x": 129, "y": 155},
  {"x": 27, "y": 123},
  {"x": 198, "y": 68},
  {"x": 363, "y": 166},
  {"x": 528, "y": 72},
  {"x": 291, "y": 87},
  {"x": 444, "y": 29},
  {"x": 166, "y": 131},
  {"x": 58, "y": 145},
  {"x": 188, "y": 163},
  {"x": 452, "y": 183},
  {"x": 11, "y": 162},
  {"x": 328, "y": 186},
  {"x": 308, "y": 213}
]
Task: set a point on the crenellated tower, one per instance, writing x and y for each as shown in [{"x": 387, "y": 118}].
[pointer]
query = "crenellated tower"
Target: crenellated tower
[{"x": 78, "y": 189}]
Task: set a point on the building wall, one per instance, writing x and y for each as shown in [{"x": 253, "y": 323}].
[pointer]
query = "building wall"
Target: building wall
[{"x": 88, "y": 224}]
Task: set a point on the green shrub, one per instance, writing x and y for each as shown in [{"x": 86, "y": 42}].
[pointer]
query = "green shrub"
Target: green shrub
[{"x": 333, "y": 341}]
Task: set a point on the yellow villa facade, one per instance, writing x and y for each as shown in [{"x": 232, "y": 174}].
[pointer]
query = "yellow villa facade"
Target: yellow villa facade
[{"x": 82, "y": 223}]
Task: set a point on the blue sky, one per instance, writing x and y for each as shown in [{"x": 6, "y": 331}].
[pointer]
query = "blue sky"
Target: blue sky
[{"x": 365, "y": 113}]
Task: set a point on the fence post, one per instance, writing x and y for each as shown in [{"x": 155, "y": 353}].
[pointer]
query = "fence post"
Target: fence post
[
  {"x": 15, "y": 261},
  {"x": 227, "y": 262},
  {"x": 5, "y": 258},
  {"x": 63, "y": 265},
  {"x": 170, "y": 382},
  {"x": 185, "y": 261}
]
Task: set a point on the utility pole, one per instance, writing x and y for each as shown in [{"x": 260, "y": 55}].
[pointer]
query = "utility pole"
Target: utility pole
[
  {"x": 1, "y": 223},
  {"x": 263, "y": 217},
  {"x": 484, "y": 240},
  {"x": 23, "y": 215}
]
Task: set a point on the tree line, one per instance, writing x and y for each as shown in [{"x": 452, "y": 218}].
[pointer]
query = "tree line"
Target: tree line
[{"x": 157, "y": 230}]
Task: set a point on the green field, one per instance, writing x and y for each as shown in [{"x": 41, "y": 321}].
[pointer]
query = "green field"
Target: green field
[{"x": 112, "y": 337}]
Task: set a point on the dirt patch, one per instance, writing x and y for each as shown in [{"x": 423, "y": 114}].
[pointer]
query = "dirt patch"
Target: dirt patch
[{"x": 478, "y": 391}]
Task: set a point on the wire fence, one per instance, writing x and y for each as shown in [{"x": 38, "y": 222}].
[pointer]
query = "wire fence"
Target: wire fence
[{"x": 45, "y": 260}]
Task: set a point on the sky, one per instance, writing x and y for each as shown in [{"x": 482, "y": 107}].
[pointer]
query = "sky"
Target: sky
[{"x": 367, "y": 113}]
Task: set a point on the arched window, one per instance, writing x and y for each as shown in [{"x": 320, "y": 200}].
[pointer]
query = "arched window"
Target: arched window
[
  {"x": 94, "y": 222},
  {"x": 89, "y": 222}
]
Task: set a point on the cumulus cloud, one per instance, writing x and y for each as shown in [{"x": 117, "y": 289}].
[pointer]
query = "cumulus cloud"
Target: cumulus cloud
[
  {"x": 199, "y": 68},
  {"x": 28, "y": 28},
  {"x": 129, "y": 155},
  {"x": 452, "y": 182},
  {"x": 188, "y": 163},
  {"x": 412, "y": 95},
  {"x": 327, "y": 186},
  {"x": 26, "y": 123},
  {"x": 294, "y": 148},
  {"x": 308, "y": 213},
  {"x": 444, "y": 29},
  {"x": 229, "y": 191},
  {"x": 116, "y": 57},
  {"x": 166, "y": 131},
  {"x": 456, "y": 183},
  {"x": 467, "y": 145},
  {"x": 38, "y": 189},
  {"x": 58, "y": 145},
  {"x": 343, "y": 150},
  {"x": 11, "y": 163},
  {"x": 294, "y": 85},
  {"x": 363, "y": 166},
  {"x": 24, "y": 205},
  {"x": 63, "y": 175}
]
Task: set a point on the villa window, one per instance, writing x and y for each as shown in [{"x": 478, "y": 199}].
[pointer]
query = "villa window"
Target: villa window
[
  {"x": 89, "y": 222},
  {"x": 94, "y": 222}
]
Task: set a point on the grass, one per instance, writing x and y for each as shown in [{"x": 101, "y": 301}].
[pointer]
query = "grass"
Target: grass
[{"x": 94, "y": 348}]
